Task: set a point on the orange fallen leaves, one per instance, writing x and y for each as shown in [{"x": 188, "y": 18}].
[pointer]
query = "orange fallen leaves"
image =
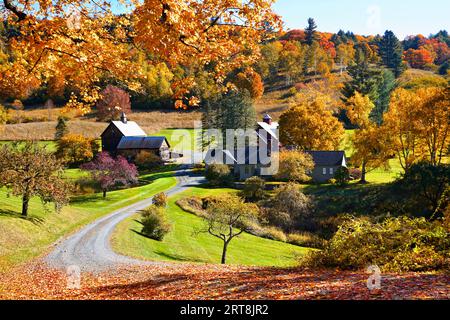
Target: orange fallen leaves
[{"x": 198, "y": 281}]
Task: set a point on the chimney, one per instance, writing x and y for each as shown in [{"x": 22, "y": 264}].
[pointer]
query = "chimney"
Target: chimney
[
  {"x": 267, "y": 119},
  {"x": 123, "y": 117}
]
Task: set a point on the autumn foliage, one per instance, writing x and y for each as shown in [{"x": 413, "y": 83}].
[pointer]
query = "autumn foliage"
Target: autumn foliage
[{"x": 112, "y": 103}]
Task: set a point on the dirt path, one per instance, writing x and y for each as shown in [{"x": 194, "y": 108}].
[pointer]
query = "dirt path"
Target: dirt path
[{"x": 90, "y": 249}]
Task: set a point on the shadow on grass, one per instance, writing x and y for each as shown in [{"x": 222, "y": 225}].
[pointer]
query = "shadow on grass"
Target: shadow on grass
[{"x": 18, "y": 215}]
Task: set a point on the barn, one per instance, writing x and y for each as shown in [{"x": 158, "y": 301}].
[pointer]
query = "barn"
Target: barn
[{"x": 127, "y": 138}]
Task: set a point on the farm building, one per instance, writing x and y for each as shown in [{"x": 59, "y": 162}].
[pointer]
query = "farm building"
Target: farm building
[
  {"x": 326, "y": 164},
  {"x": 128, "y": 139}
]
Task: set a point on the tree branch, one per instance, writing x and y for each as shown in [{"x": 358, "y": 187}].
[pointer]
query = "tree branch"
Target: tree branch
[{"x": 20, "y": 15}]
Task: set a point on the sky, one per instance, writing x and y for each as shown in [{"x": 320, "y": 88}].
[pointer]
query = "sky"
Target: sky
[{"x": 365, "y": 17}]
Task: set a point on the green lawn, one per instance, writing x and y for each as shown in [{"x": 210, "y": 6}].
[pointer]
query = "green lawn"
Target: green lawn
[
  {"x": 22, "y": 239},
  {"x": 180, "y": 139},
  {"x": 181, "y": 244}
]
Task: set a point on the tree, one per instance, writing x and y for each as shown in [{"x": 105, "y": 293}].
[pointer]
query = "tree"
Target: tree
[
  {"x": 61, "y": 128},
  {"x": 345, "y": 55},
  {"x": 76, "y": 149},
  {"x": 251, "y": 81},
  {"x": 309, "y": 126},
  {"x": 218, "y": 174},
  {"x": 154, "y": 222},
  {"x": 87, "y": 46},
  {"x": 112, "y": 103},
  {"x": 368, "y": 140},
  {"x": 291, "y": 60},
  {"x": 268, "y": 65},
  {"x": 391, "y": 52},
  {"x": 227, "y": 218},
  {"x": 109, "y": 172},
  {"x": 310, "y": 32},
  {"x": 419, "y": 58},
  {"x": 3, "y": 115},
  {"x": 385, "y": 88},
  {"x": 295, "y": 166},
  {"x": 28, "y": 170}
]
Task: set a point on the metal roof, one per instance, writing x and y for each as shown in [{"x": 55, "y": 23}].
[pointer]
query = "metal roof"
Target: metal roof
[
  {"x": 129, "y": 128},
  {"x": 141, "y": 142},
  {"x": 328, "y": 158}
]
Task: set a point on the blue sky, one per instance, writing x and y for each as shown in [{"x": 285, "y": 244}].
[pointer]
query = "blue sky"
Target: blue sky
[{"x": 404, "y": 17}]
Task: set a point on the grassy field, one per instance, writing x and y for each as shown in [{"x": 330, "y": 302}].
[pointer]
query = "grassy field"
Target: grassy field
[
  {"x": 181, "y": 244},
  {"x": 24, "y": 238}
]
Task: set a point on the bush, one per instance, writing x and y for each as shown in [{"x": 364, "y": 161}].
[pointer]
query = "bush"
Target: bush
[
  {"x": 148, "y": 160},
  {"x": 254, "y": 189},
  {"x": 76, "y": 149},
  {"x": 342, "y": 176},
  {"x": 274, "y": 233},
  {"x": 396, "y": 244},
  {"x": 218, "y": 175},
  {"x": 295, "y": 166},
  {"x": 3, "y": 115},
  {"x": 354, "y": 174},
  {"x": 160, "y": 200},
  {"x": 155, "y": 224}
]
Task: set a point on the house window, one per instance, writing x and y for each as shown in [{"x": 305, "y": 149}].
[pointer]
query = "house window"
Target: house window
[
  {"x": 324, "y": 171},
  {"x": 331, "y": 171}
]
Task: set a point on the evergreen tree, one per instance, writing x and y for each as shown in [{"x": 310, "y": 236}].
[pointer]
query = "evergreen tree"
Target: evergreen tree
[
  {"x": 310, "y": 31},
  {"x": 61, "y": 128},
  {"x": 391, "y": 51},
  {"x": 385, "y": 89}
]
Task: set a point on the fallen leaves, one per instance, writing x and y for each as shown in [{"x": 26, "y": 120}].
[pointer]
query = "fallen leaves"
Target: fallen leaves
[{"x": 176, "y": 281}]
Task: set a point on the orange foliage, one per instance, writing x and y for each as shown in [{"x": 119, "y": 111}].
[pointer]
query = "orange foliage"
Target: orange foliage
[{"x": 418, "y": 58}]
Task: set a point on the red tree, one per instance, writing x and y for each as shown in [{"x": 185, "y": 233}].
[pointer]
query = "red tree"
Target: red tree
[
  {"x": 113, "y": 102},
  {"x": 418, "y": 58},
  {"x": 109, "y": 172}
]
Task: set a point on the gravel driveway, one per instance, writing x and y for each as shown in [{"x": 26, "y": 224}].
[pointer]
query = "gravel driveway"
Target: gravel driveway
[{"x": 90, "y": 249}]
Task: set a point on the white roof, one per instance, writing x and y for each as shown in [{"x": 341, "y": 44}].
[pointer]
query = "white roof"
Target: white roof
[
  {"x": 270, "y": 128},
  {"x": 129, "y": 129}
]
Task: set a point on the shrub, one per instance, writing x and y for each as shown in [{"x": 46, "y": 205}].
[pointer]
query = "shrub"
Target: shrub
[
  {"x": 295, "y": 166},
  {"x": 254, "y": 189},
  {"x": 148, "y": 160},
  {"x": 218, "y": 175},
  {"x": 354, "y": 174},
  {"x": 76, "y": 149},
  {"x": 155, "y": 224},
  {"x": 396, "y": 244},
  {"x": 3, "y": 115},
  {"x": 342, "y": 176},
  {"x": 160, "y": 200}
]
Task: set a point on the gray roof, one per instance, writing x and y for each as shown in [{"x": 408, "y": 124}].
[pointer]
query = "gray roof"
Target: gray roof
[
  {"x": 129, "y": 129},
  {"x": 328, "y": 158},
  {"x": 247, "y": 155},
  {"x": 141, "y": 142}
]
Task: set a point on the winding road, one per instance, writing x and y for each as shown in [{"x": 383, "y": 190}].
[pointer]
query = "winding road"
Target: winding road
[{"x": 90, "y": 248}]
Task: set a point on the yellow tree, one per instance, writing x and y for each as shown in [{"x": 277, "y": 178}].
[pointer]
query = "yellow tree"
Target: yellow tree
[
  {"x": 369, "y": 145},
  {"x": 310, "y": 126},
  {"x": 86, "y": 41}
]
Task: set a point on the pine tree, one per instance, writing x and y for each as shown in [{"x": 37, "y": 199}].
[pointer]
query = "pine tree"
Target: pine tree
[
  {"x": 61, "y": 128},
  {"x": 391, "y": 51},
  {"x": 310, "y": 31}
]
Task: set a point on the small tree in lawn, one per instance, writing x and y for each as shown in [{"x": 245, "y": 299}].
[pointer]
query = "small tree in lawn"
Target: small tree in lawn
[
  {"x": 28, "y": 170},
  {"x": 61, "y": 128},
  {"x": 226, "y": 219},
  {"x": 109, "y": 172},
  {"x": 113, "y": 102}
]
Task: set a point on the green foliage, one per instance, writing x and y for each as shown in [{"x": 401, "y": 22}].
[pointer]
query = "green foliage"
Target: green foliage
[
  {"x": 391, "y": 52},
  {"x": 160, "y": 199},
  {"x": 61, "y": 127},
  {"x": 424, "y": 82},
  {"x": 310, "y": 32},
  {"x": 218, "y": 175},
  {"x": 385, "y": 88},
  {"x": 254, "y": 189},
  {"x": 155, "y": 224},
  {"x": 396, "y": 244},
  {"x": 342, "y": 176}
]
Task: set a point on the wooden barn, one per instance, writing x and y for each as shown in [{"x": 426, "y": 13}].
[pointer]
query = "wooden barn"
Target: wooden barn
[{"x": 128, "y": 139}]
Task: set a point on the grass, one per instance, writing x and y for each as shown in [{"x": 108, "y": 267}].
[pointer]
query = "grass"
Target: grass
[
  {"x": 24, "y": 238},
  {"x": 181, "y": 244}
]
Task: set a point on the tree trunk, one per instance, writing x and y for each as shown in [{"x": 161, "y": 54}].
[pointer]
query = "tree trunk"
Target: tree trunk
[
  {"x": 224, "y": 252},
  {"x": 25, "y": 201},
  {"x": 104, "y": 193},
  {"x": 363, "y": 174}
]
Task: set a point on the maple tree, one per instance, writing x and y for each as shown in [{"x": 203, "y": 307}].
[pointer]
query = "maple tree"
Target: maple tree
[
  {"x": 419, "y": 58},
  {"x": 310, "y": 126},
  {"x": 76, "y": 149},
  {"x": 28, "y": 170},
  {"x": 113, "y": 101},
  {"x": 86, "y": 41},
  {"x": 109, "y": 172},
  {"x": 295, "y": 166}
]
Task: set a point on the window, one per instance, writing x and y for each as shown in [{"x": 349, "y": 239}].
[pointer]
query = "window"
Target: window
[
  {"x": 324, "y": 171},
  {"x": 331, "y": 171}
]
